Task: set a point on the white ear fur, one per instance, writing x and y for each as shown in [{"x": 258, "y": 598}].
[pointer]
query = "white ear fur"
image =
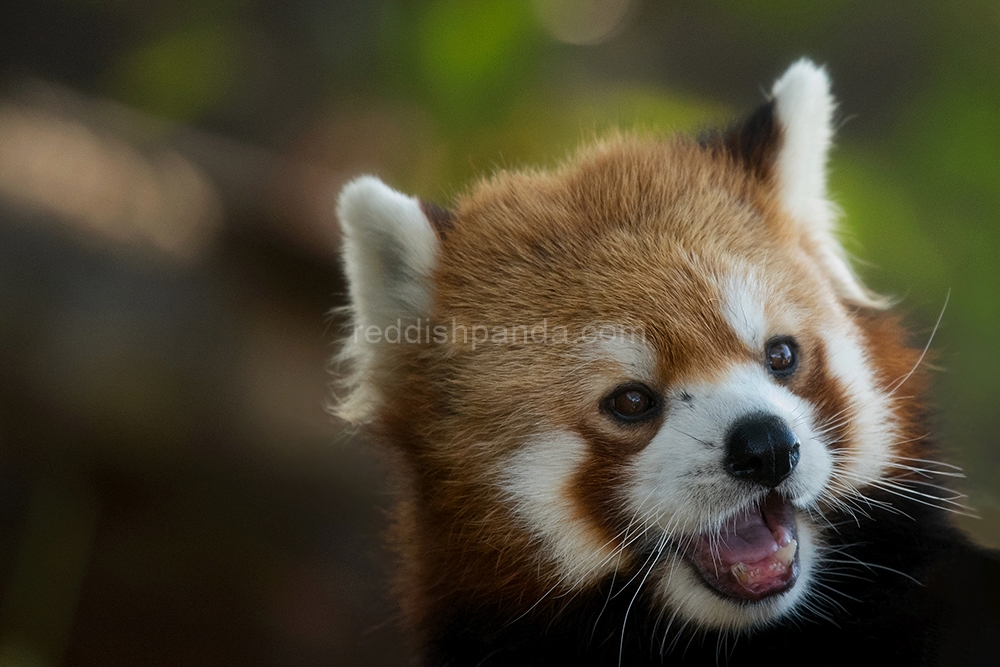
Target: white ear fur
[
  {"x": 804, "y": 109},
  {"x": 389, "y": 253}
]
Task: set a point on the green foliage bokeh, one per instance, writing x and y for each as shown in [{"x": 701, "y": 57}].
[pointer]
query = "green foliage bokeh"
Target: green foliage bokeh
[{"x": 920, "y": 189}]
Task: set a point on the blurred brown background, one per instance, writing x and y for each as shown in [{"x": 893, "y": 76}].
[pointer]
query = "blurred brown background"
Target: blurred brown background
[{"x": 172, "y": 491}]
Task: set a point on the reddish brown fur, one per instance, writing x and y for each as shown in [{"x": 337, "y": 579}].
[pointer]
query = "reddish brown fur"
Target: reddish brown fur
[
  {"x": 899, "y": 373},
  {"x": 826, "y": 394},
  {"x": 629, "y": 229}
]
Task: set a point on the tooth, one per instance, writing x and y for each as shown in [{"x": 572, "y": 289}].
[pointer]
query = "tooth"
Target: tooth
[
  {"x": 786, "y": 553},
  {"x": 742, "y": 573}
]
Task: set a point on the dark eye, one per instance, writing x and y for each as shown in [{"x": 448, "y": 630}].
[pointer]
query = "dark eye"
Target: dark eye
[
  {"x": 630, "y": 403},
  {"x": 782, "y": 356}
]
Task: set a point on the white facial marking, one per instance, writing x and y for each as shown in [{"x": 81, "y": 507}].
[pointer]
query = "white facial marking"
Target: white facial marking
[
  {"x": 871, "y": 428},
  {"x": 682, "y": 470},
  {"x": 537, "y": 480},
  {"x": 680, "y": 479},
  {"x": 633, "y": 355},
  {"x": 743, "y": 299}
]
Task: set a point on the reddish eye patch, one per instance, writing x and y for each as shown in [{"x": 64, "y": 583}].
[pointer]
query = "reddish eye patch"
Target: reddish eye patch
[
  {"x": 782, "y": 356},
  {"x": 631, "y": 403}
]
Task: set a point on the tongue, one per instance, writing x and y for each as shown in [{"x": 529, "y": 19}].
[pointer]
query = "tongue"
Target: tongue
[
  {"x": 753, "y": 556},
  {"x": 746, "y": 539}
]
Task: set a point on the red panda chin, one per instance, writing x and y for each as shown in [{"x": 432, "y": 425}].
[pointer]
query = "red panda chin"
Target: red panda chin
[{"x": 754, "y": 555}]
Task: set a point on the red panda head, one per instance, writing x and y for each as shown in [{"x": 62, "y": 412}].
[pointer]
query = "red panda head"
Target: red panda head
[{"x": 654, "y": 359}]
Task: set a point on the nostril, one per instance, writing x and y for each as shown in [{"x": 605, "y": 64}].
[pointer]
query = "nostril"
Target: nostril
[
  {"x": 762, "y": 448},
  {"x": 793, "y": 455}
]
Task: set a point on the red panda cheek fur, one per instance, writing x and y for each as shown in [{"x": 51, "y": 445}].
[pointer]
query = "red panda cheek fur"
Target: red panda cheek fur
[{"x": 656, "y": 236}]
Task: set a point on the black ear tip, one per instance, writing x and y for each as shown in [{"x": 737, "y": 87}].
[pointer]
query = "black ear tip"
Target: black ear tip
[{"x": 442, "y": 220}]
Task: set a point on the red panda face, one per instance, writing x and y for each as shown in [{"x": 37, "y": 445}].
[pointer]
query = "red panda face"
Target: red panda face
[{"x": 653, "y": 361}]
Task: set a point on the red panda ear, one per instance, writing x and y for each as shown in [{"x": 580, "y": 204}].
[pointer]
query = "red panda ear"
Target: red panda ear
[
  {"x": 803, "y": 113},
  {"x": 803, "y": 110},
  {"x": 786, "y": 143},
  {"x": 441, "y": 219},
  {"x": 389, "y": 254},
  {"x": 787, "y": 139},
  {"x": 752, "y": 143},
  {"x": 390, "y": 250}
]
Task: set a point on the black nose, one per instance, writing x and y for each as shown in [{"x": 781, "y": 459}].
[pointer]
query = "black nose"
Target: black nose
[{"x": 762, "y": 449}]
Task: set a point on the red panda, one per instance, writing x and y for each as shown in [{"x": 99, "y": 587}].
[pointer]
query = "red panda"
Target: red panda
[{"x": 642, "y": 411}]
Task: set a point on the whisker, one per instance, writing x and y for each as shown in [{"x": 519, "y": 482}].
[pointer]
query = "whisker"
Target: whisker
[
  {"x": 621, "y": 645},
  {"x": 930, "y": 462},
  {"x": 895, "y": 386},
  {"x": 873, "y": 566}
]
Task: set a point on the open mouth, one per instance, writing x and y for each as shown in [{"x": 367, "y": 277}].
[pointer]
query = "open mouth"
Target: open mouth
[{"x": 754, "y": 556}]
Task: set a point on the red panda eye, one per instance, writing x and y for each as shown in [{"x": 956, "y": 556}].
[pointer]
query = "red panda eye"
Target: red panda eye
[
  {"x": 630, "y": 403},
  {"x": 782, "y": 356}
]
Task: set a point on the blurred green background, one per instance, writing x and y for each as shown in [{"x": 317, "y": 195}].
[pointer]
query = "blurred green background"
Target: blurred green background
[{"x": 171, "y": 489}]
